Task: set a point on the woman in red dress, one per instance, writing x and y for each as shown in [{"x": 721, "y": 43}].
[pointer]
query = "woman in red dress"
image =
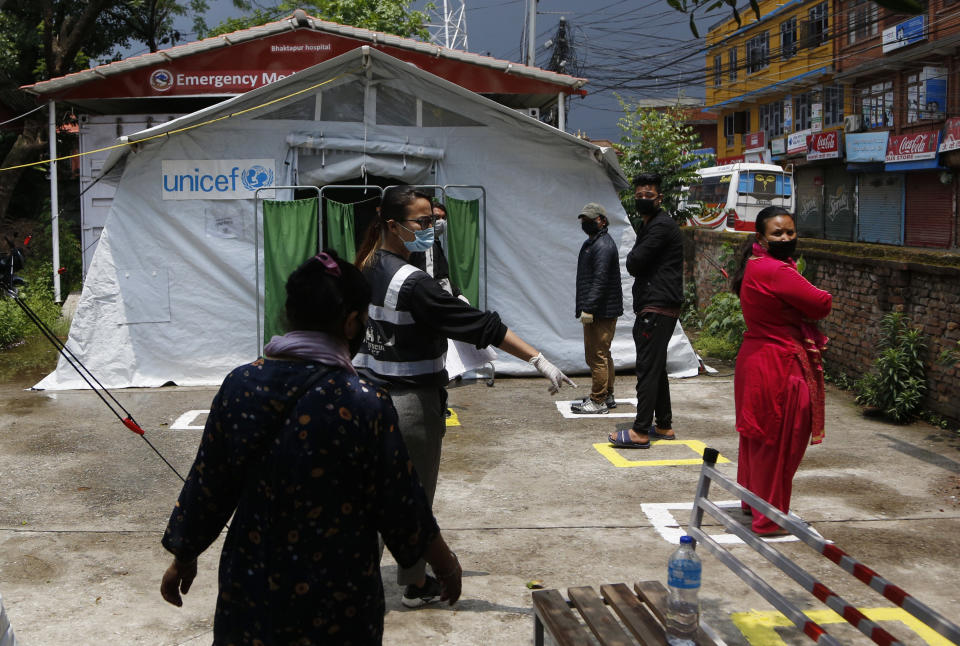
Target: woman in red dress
[{"x": 778, "y": 387}]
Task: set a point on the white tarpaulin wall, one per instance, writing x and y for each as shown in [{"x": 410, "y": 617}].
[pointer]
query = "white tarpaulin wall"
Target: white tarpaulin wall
[{"x": 170, "y": 294}]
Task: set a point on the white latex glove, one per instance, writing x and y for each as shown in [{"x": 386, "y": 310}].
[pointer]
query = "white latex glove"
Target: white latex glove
[
  {"x": 464, "y": 299},
  {"x": 551, "y": 372},
  {"x": 586, "y": 318}
]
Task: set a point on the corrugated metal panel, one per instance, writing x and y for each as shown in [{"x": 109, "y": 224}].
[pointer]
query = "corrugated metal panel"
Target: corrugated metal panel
[
  {"x": 809, "y": 187},
  {"x": 840, "y": 203},
  {"x": 929, "y": 211},
  {"x": 880, "y": 205}
]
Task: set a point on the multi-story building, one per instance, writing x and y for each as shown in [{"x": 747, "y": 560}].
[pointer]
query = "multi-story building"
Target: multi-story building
[{"x": 857, "y": 101}]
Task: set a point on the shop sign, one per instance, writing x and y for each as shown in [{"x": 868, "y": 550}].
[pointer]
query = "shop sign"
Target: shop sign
[
  {"x": 787, "y": 113},
  {"x": 912, "y": 147},
  {"x": 824, "y": 145},
  {"x": 723, "y": 161},
  {"x": 754, "y": 141},
  {"x": 906, "y": 33},
  {"x": 816, "y": 117},
  {"x": 797, "y": 142},
  {"x": 778, "y": 146},
  {"x": 951, "y": 135},
  {"x": 866, "y": 147}
]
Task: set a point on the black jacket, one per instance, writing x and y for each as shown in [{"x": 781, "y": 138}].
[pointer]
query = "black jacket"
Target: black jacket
[
  {"x": 656, "y": 262},
  {"x": 598, "y": 277}
]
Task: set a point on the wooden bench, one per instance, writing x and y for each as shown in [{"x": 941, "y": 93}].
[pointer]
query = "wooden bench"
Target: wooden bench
[{"x": 637, "y": 618}]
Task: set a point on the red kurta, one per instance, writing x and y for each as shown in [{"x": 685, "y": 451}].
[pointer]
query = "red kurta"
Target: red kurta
[{"x": 778, "y": 384}]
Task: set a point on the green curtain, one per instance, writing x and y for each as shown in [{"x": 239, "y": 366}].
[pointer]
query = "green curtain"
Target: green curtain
[
  {"x": 340, "y": 230},
  {"x": 463, "y": 239},
  {"x": 289, "y": 238}
]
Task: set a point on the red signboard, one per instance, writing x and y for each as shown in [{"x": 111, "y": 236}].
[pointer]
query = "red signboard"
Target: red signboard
[
  {"x": 723, "y": 161},
  {"x": 823, "y": 145},
  {"x": 912, "y": 147},
  {"x": 951, "y": 135},
  {"x": 239, "y": 68},
  {"x": 754, "y": 141}
]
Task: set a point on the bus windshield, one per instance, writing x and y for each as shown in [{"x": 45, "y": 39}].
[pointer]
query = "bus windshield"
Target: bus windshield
[{"x": 710, "y": 190}]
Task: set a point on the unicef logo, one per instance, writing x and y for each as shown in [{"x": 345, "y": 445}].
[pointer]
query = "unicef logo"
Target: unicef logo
[
  {"x": 256, "y": 177},
  {"x": 161, "y": 80}
]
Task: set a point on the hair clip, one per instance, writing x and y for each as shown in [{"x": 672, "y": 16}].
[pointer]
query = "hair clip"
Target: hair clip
[{"x": 328, "y": 263}]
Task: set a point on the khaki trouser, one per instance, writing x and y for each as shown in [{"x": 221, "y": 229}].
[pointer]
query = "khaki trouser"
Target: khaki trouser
[{"x": 597, "y": 337}]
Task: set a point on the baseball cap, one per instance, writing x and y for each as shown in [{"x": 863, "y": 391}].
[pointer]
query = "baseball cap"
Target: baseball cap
[{"x": 592, "y": 211}]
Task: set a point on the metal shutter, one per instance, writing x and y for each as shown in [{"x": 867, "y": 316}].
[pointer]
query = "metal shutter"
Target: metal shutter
[
  {"x": 880, "y": 205},
  {"x": 929, "y": 217},
  {"x": 840, "y": 203},
  {"x": 809, "y": 202}
]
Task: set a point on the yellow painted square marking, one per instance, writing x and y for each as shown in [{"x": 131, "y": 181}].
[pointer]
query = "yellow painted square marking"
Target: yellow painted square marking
[
  {"x": 453, "y": 420},
  {"x": 759, "y": 627},
  {"x": 611, "y": 453}
]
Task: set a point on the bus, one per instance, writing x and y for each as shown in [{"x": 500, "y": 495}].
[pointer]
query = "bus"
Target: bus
[{"x": 730, "y": 197}]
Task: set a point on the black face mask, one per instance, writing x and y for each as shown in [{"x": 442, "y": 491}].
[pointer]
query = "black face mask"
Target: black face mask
[
  {"x": 590, "y": 227},
  {"x": 646, "y": 207},
  {"x": 782, "y": 249}
]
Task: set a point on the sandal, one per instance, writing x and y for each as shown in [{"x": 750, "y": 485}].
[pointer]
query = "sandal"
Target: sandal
[{"x": 622, "y": 440}]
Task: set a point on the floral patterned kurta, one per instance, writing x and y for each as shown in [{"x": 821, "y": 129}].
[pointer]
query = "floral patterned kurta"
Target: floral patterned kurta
[{"x": 300, "y": 564}]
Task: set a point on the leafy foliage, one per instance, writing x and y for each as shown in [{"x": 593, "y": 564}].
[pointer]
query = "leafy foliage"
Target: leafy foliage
[
  {"x": 689, "y": 312},
  {"x": 898, "y": 382},
  {"x": 722, "y": 327},
  {"x": 390, "y": 16},
  {"x": 38, "y": 295},
  {"x": 659, "y": 141}
]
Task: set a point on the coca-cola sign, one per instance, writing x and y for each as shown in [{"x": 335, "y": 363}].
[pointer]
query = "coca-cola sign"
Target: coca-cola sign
[
  {"x": 912, "y": 147},
  {"x": 951, "y": 135},
  {"x": 754, "y": 141},
  {"x": 823, "y": 145}
]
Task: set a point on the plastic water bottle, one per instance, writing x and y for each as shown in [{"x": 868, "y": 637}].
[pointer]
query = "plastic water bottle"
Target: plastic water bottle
[{"x": 683, "y": 606}]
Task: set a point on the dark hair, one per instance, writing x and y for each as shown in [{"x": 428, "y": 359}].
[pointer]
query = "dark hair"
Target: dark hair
[
  {"x": 393, "y": 206},
  {"x": 437, "y": 204},
  {"x": 319, "y": 300},
  {"x": 648, "y": 179},
  {"x": 746, "y": 250}
]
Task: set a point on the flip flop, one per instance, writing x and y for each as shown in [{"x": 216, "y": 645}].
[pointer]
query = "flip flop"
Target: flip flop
[
  {"x": 654, "y": 435},
  {"x": 622, "y": 441}
]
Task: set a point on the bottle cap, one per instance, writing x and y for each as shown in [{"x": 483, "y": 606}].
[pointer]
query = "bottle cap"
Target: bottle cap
[{"x": 684, "y": 540}]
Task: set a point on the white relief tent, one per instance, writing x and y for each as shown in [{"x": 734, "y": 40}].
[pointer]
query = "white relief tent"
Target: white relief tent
[{"x": 171, "y": 292}]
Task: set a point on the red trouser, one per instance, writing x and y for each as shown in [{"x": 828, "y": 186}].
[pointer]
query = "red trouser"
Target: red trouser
[{"x": 767, "y": 469}]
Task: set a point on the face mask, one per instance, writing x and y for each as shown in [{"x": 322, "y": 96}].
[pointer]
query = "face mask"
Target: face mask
[
  {"x": 782, "y": 249},
  {"x": 422, "y": 241},
  {"x": 646, "y": 207},
  {"x": 440, "y": 227},
  {"x": 590, "y": 227}
]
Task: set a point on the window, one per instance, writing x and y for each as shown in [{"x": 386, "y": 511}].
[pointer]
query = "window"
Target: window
[
  {"x": 771, "y": 119},
  {"x": 862, "y": 21},
  {"x": 926, "y": 94},
  {"x": 801, "y": 111},
  {"x": 728, "y": 128},
  {"x": 832, "y": 105},
  {"x": 758, "y": 52},
  {"x": 819, "y": 25},
  {"x": 717, "y": 70},
  {"x": 876, "y": 104},
  {"x": 732, "y": 57},
  {"x": 788, "y": 38}
]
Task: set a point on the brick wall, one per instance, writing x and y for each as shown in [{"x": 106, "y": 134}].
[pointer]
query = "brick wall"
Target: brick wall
[{"x": 867, "y": 281}]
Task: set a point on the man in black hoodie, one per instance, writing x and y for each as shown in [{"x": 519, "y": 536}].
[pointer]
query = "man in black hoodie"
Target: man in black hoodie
[
  {"x": 656, "y": 263},
  {"x": 599, "y": 304}
]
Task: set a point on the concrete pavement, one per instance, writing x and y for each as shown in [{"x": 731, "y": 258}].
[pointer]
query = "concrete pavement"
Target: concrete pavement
[{"x": 524, "y": 494}]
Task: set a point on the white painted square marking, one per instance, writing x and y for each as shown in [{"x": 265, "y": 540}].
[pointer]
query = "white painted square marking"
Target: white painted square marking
[
  {"x": 184, "y": 422},
  {"x": 669, "y": 528}
]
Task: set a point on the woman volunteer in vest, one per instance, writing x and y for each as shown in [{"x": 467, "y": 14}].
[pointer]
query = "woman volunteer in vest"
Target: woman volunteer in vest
[{"x": 410, "y": 319}]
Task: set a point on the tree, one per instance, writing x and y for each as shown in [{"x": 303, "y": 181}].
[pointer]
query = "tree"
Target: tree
[
  {"x": 658, "y": 140},
  {"x": 151, "y": 21},
  {"x": 391, "y": 16}
]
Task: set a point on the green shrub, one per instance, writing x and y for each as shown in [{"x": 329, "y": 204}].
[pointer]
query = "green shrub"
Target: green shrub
[
  {"x": 723, "y": 318},
  {"x": 689, "y": 313},
  {"x": 898, "y": 382},
  {"x": 715, "y": 347},
  {"x": 38, "y": 296}
]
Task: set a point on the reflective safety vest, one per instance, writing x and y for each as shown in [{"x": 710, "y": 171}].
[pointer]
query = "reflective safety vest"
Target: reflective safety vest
[{"x": 395, "y": 348}]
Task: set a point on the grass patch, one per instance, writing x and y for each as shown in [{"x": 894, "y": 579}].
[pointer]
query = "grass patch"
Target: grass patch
[{"x": 717, "y": 347}]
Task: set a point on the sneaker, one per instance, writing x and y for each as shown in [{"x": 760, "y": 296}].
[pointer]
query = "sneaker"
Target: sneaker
[
  {"x": 415, "y": 596},
  {"x": 610, "y": 403},
  {"x": 590, "y": 407}
]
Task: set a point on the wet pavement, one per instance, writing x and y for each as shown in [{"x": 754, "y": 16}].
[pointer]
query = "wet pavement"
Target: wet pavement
[{"x": 525, "y": 493}]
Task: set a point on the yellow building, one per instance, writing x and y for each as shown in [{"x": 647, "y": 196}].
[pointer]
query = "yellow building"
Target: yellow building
[{"x": 770, "y": 81}]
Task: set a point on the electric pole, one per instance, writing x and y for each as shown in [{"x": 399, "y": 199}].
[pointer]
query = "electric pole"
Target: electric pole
[{"x": 532, "y": 32}]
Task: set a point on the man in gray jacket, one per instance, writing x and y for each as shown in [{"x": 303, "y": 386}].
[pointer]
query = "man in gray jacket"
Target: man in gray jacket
[{"x": 598, "y": 305}]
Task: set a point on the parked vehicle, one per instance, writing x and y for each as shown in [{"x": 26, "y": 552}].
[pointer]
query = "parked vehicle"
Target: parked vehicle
[{"x": 730, "y": 197}]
